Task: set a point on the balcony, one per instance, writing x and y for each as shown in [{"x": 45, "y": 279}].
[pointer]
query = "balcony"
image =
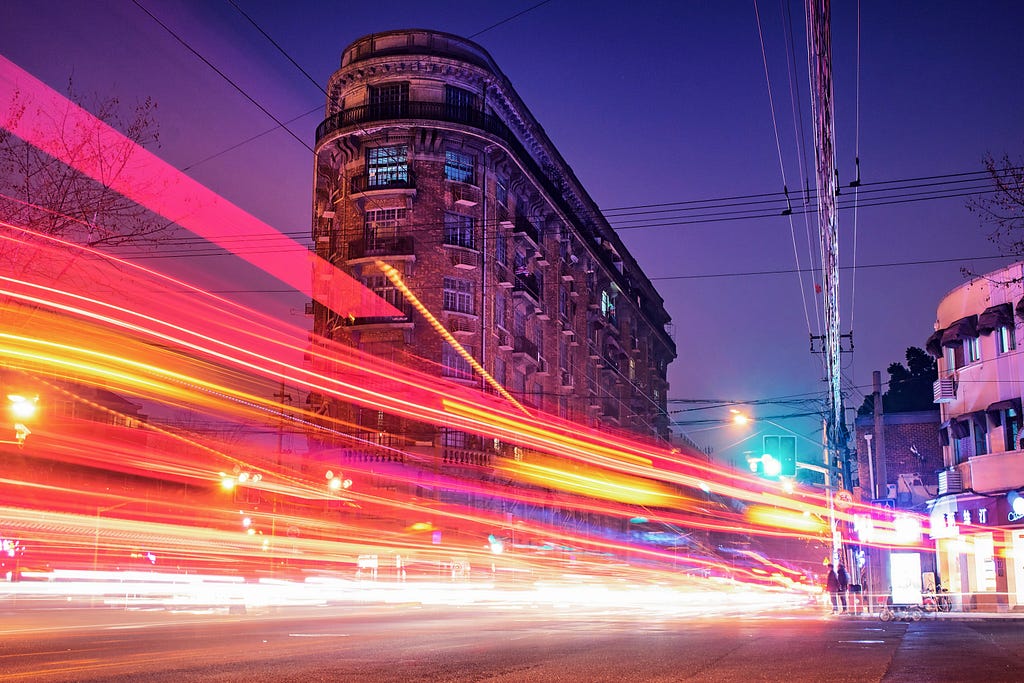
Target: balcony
[
  {"x": 384, "y": 182},
  {"x": 524, "y": 348},
  {"x": 526, "y": 230},
  {"x": 993, "y": 472},
  {"x": 526, "y": 285},
  {"x": 377, "y": 247},
  {"x": 384, "y": 321}
]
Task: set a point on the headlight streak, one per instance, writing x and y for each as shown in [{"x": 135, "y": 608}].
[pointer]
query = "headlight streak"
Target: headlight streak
[{"x": 210, "y": 354}]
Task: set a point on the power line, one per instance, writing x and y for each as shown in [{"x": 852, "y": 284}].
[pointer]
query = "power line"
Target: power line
[{"x": 223, "y": 75}]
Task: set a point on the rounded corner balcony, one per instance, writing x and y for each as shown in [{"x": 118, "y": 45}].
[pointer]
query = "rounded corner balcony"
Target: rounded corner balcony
[
  {"x": 393, "y": 183},
  {"x": 356, "y": 117}
]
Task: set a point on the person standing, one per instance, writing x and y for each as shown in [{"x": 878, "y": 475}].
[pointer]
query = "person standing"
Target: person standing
[
  {"x": 832, "y": 586},
  {"x": 844, "y": 584}
]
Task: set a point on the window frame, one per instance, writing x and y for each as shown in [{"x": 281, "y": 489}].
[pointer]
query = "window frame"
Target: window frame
[
  {"x": 459, "y": 167},
  {"x": 459, "y": 296},
  {"x": 1006, "y": 339},
  {"x": 388, "y": 169},
  {"x": 453, "y": 365},
  {"x": 459, "y": 230}
]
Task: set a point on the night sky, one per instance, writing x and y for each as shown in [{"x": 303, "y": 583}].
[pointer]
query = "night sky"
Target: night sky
[{"x": 650, "y": 103}]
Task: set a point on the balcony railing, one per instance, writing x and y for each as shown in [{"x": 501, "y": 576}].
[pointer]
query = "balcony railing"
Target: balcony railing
[
  {"x": 381, "y": 246},
  {"x": 404, "y": 306},
  {"x": 404, "y": 180},
  {"x": 489, "y": 123},
  {"x": 993, "y": 472},
  {"x": 524, "y": 347},
  {"x": 525, "y": 228},
  {"x": 527, "y": 284}
]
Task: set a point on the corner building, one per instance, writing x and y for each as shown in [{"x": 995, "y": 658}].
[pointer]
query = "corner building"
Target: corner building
[
  {"x": 977, "y": 516},
  {"x": 429, "y": 161}
]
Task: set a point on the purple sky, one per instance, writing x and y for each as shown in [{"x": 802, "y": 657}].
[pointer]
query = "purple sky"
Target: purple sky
[{"x": 650, "y": 103}]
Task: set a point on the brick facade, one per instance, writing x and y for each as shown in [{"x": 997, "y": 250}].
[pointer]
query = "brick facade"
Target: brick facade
[
  {"x": 429, "y": 161},
  {"x": 903, "y": 431}
]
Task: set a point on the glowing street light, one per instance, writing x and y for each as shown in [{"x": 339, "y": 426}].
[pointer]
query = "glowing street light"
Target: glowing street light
[{"x": 335, "y": 482}]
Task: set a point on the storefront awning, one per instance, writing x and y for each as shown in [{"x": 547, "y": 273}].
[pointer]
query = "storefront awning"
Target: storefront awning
[
  {"x": 964, "y": 328},
  {"x": 995, "y": 317},
  {"x": 1005, "y": 405},
  {"x": 934, "y": 344}
]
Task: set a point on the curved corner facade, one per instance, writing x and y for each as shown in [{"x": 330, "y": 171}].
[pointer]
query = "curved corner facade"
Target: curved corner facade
[
  {"x": 977, "y": 527},
  {"x": 429, "y": 161}
]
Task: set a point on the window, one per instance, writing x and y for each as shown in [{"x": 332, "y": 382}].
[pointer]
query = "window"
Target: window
[
  {"x": 381, "y": 226},
  {"x": 501, "y": 190},
  {"x": 1006, "y": 339},
  {"x": 387, "y": 165},
  {"x": 453, "y": 438},
  {"x": 1011, "y": 428},
  {"x": 389, "y": 99},
  {"x": 972, "y": 349},
  {"x": 458, "y": 166},
  {"x": 980, "y": 441},
  {"x": 954, "y": 356},
  {"x": 458, "y": 230},
  {"x": 500, "y": 310},
  {"x": 607, "y": 304},
  {"x": 563, "y": 302},
  {"x": 500, "y": 374},
  {"x": 458, "y": 295},
  {"x": 383, "y": 287},
  {"x": 459, "y": 102},
  {"x": 453, "y": 364},
  {"x": 501, "y": 250},
  {"x": 518, "y": 322}
]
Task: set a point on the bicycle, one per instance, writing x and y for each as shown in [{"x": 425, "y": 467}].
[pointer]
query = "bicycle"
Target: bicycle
[{"x": 937, "y": 602}]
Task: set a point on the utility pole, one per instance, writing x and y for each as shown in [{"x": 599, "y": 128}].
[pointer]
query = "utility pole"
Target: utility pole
[{"x": 819, "y": 56}]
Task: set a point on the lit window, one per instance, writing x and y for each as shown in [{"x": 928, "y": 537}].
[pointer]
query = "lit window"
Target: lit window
[
  {"x": 458, "y": 166},
  {"x": 1006, "y": 339},
  {"x": 387, "y": 165},
  {"x": 458, "y": 230},
  {"x": 458, "y": 295}
]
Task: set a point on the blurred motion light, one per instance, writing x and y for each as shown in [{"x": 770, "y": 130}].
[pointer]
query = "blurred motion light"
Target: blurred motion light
[{"x": 21, "y": 407}]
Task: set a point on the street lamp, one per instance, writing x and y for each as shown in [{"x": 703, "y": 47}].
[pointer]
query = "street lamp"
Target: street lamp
[{"x": 824, "y": 469}]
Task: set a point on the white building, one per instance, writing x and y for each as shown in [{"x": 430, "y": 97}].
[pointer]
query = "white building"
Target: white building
[{"x": 978, "y": 531}]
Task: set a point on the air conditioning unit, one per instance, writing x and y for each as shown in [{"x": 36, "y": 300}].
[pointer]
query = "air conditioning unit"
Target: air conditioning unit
[
  {"x": 944, "y": 390},
  {"x": 464, "y": 260},
  {"x": 460, "y": 326},
  {"x": 464, "y": 195},
  {"x": 950, "y": 481},
  {"x": 504, "y": 340}
]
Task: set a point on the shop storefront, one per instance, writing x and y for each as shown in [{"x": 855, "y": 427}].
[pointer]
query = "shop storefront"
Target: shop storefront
[{"x": 979, "y": 547}]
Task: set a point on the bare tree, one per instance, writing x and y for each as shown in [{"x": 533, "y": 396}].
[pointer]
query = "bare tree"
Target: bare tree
[
  {"x": 1003, "y": 209},
  {"x": 43, "y": 194}
]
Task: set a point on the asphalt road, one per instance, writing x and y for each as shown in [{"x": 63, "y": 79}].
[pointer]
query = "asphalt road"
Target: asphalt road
[{"x": 417, "y": 643}]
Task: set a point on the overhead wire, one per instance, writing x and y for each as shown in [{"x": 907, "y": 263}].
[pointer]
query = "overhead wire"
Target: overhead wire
[{"x": 782, "y": 166}]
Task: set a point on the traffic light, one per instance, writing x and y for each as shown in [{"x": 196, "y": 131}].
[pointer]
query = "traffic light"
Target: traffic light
[
  {"x": 782, "y": 453},
  {"x": 21, "y": 409}
]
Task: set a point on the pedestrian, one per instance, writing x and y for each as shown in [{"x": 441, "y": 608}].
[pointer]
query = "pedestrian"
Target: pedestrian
[
  {"x": 844, "y": 584},
  {"x": 832, "y": 586}
]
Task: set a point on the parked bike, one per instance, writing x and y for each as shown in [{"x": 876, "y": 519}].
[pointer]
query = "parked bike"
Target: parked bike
[{"x": 938, "y": 601}]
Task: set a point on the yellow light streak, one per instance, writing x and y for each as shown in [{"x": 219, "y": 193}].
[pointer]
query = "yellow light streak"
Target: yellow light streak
[{"x": 396, "y": 279}]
